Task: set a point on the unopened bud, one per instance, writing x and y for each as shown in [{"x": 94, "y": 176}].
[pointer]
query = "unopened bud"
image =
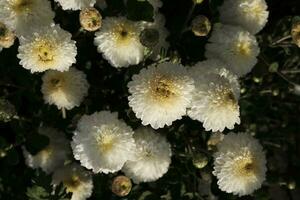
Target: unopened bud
[
  {"x": 200, "y": 160},
  {"x": 149, "y": 37},
  {"x": 201, "y": 26},
  {"x": 90, "y": 19},
  {"x": 295, "y": 32},
  {"x": 7, "y": 37},
  {"x": 7, "y": 110},
  {"x": 121, "y": 186}
]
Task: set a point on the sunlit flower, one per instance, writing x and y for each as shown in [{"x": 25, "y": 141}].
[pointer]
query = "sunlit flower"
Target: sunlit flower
[
  {"x": 118, "y": 41},
  {"x": 75, "y": 4},
  {"x": 153, "y": 156},
  {"x": 235, "y": 46},
  {"x": 215, "y": 98},
  {"x": 52, "y": 156},
  {"x": 249, "y": 14},
  {"x": 64, "y": 89},
  {"x": 22, "y": 15},
  {"x": 48, "y": 47},
  {"x": 160, "y": 94},
  {"x": 102, "y": 142},
  {"x": 76, "y": 179},
  {"x": 240, "y": 164}
]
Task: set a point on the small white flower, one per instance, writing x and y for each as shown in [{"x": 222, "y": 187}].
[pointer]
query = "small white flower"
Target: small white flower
[
  {"x": 159, "y": 25},
  {"x": 215, "y": 98},
  {"x": 119, "y": 42},
  {"x": 153, "y": 156},
  {"x": 235, "y": 46},
  {"x": 76, "y": 179},
  {"x": 64, "y": 89},
  {"x": 51, "y": 157},
  {"x": 23, "y": 15},
  {"x": 102, "y": 142},
  {"x": 48, "y": 47},
  {"x": 75, "y": 4},
  {"x": 160, "y": 94},
  {"x": 240, "y": 164},
  {"x": 249, "y": 14}
]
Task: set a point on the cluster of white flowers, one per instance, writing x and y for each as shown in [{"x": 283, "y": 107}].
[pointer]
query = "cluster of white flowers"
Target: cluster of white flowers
[{"x": 159, "y": 94}]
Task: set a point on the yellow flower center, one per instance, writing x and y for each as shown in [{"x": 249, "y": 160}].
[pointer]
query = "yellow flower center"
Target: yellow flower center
[
  {"x": 105, "y": 141},
  {"x": 124, "y": 33},
  {"x": 46, "y": 153},
  {"x": 21, "y": 6},
  {"x": 72, "y": 183},
  {"x": 246, "y": 167},
  {"x": 224, "y": 97},
  {"x": 45, "y": 51},
  {"x": 243, "y": 48},
  {"x": 162, "y": 88}
]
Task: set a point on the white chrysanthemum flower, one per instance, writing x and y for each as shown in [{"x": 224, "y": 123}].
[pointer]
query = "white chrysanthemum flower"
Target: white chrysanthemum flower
[
  {"x": 235, "y": 46},
  {"x": 102, "y": 142},
  {"x": 64, "y": 89},
  {"x": 215, "y": 99},
  {"x": 159, "y": 25},
  {"x": 51, "y": 157},
  {"x": 118, "y": 40},
  {"x": 76, "y": 4},
  {"x": 101, "y": 3},
  {"x": 76, "y": 179},
  {"x": 22, "y": 15},
  {"x": 240, "y": 164},
  {"x": 249, "y": 14},
  {"x": 48, "y": 47},
  {"x": 160, "y": 94},
  {"x": 153, "y": 156}
]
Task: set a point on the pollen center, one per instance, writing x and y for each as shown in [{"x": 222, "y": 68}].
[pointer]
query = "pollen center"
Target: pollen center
[
  {"x": 123, "y": 33},
  {"x": 105, "y": 141},
  {"x": 22, "y": 6},
  {"x": 72, "y": 183},
  {"x": 45, "y": 51},
  {"x": 245, "y": 167},
  {"x": 244, "y": 48},
  {"x": 162, "y": 88}
]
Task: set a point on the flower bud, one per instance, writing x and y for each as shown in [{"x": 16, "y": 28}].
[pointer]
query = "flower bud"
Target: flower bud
[
  {"x": 90, "y": 19},
  {"x": 7, "y": 37},
  {"x": 121, "y": 186},
  {"x": 200, "y": 160},
  {"x": 295, "y": 32},
  {"x": 201, "y": 25},
  {"x": 149, "y": 37}
]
